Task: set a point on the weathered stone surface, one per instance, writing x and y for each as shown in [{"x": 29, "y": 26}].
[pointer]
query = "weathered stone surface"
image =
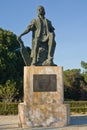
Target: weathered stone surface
[{"x": 43, "y": 108}]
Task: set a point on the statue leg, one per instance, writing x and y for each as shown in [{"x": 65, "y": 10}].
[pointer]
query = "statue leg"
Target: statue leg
[
  {"x": 51, "y": 46},
  {"x": 35, "y": 51}
]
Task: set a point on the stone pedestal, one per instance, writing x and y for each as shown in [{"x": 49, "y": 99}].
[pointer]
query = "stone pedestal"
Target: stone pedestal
[{"x": 43, "y": 98}]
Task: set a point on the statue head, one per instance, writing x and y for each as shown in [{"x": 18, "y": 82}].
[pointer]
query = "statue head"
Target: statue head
[{"x": 41, "y": 10}]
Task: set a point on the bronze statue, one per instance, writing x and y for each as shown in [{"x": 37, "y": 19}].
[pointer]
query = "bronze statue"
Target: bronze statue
[{"x": 43, "y": 39}]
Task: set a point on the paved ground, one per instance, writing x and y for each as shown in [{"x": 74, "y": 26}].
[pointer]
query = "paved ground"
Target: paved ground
[{"x": 77, "y": 122}]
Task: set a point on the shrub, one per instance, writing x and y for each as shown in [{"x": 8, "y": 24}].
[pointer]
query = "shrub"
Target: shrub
[
  {"x": 77, "y": 106},
  {"x": 8, "y": 108}
]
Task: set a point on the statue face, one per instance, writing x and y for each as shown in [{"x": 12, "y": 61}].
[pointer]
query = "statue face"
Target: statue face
[{"x": 41, "y": 10}]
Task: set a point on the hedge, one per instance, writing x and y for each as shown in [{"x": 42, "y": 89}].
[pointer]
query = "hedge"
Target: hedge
[
  {"x": 8, "y": 108},
  {"x": 77, "y": 103},
  {"x": 78, "y": 109},
  {"x": 12, "y": 108},
  {"x": 77, "y": 106}
]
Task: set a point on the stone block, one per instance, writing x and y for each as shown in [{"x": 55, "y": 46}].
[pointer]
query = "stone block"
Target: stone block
[{"x": 43, "y": 108}]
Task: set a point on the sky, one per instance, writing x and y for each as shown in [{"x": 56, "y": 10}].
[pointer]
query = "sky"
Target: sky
[{"x": 69, "y": 18}]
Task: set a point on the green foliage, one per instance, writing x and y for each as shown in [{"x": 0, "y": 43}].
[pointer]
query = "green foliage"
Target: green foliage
[
  {"x": 8, "y": 57},
  {"x": 77, "y": 103},
  {"x": 85, "y": 76},
  {"x": 75, "y": 87},
  {"x": 8, "y": 108},
  {"x": 12, "y": 108},
  {"x": 77, "y": 106},
  {"x": 82, "y": 110},
  {"x": 11, "y": 62},
  {"x": 84, "y": 65},
  {"x": 8, "y": 91}
]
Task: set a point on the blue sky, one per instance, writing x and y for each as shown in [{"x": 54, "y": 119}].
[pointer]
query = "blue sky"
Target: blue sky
[{"x": 69, "y": 17}]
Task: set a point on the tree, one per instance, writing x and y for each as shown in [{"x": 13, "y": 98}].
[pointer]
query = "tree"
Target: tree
[
  {"x": 84, "y": 65},
  {"x": 11, "y": 62},
  {"x": 8, "y": 44},
  {"x": 75, "y": 85}
]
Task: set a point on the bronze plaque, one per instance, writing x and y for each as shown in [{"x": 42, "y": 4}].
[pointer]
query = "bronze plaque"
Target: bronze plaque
[{"x": 44, "y": 82}]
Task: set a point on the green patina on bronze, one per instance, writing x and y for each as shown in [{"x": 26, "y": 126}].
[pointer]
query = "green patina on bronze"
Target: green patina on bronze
[{"x": 43, "y": 41}]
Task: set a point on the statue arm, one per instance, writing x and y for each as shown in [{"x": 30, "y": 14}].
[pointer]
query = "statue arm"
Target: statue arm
[
  {"x": 25, "y": 32},
  {"x": 51, "y": 28},
  {"x": 31, "y": 27}
]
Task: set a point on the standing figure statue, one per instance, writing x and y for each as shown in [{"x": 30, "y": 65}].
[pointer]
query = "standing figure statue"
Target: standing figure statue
[{"x": 43, "y": 39}]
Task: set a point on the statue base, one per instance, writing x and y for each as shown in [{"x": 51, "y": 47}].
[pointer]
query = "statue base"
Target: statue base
[{"x": 43, "y": 98}]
